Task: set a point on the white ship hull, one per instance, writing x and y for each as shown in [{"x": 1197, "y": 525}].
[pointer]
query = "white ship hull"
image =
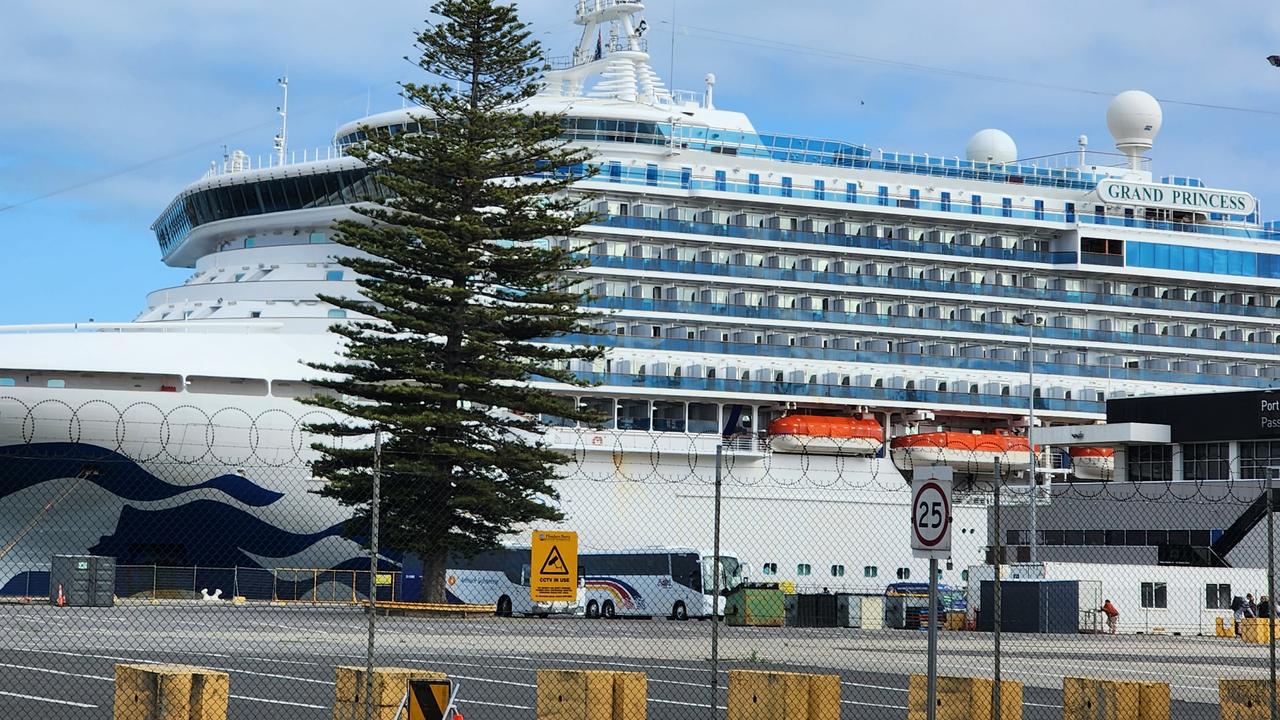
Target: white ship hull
[{"x": 175, "y": 478}]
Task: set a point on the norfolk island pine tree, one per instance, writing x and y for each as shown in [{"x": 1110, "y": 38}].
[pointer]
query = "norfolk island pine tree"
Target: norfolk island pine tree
[{"x": 459, "y": 286}]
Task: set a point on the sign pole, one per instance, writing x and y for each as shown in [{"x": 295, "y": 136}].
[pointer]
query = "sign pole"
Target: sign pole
[
  {"x": 933, "y": 639},
  {"x": 931, "y": 538}
]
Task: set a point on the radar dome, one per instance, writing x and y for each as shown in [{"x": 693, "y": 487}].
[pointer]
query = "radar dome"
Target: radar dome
[
  {"x": 1134, "y": 118},
  {"x": 991, "y": 145}
]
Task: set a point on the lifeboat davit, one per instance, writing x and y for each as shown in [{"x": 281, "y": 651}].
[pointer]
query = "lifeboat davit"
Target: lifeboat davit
[
  {"x": 965, "y": 453},
  {"x": 1093, "y": 463},
  {"x": 825, "y": 435}
]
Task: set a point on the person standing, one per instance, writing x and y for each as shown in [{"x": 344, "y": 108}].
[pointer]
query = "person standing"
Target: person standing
[
  {"x": 1113, "y": 615},
  {"x": 1264, "y": 607},
  {"x": 1250, "y": 607},
  {"x": 1237, "y": 612}
]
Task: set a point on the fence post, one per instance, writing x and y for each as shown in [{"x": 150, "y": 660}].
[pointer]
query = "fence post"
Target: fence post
[
  {"x": 1271, "y": 585},
  {"x": 375, "y": 507},
  {"x": 153, "y": 583},
  {"x": 995, "y": 597}
]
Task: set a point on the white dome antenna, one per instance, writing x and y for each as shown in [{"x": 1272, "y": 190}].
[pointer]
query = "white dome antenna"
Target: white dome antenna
[
  {"x": 991, "y": 146},
  {"x": 1134, "y": 119}
]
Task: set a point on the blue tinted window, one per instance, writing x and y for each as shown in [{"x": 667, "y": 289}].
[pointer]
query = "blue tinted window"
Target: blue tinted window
[
  {"x": 55, "y": 383},
  {"x": 6, "y": 382},
  {"x": 650, "y": 174},
  {"x": 317, "y": 238},
  {"x": 753, "y": 183},
  {"x": 946, "y": 201},
  {"x": 333, "y": 275},
  {"x": 1071, "y": 212},
  {"x": 615, "y": 172},
  {"x": 851, "y": 192},
  {"x": 820, "y": 189},
  {"x": 786, "y": 187},
  {"x": 1006, "y": 207},
  {"x": 720, "y": 180},
  {"x": 975, "y": 204},
  {"x": 686, "y": 178},
  {"x": 1039, "y": 209},
  {"x": 883, "y": 194},
  {"x": 337, "y": 313},
  {"x": 248, "y": 242}
]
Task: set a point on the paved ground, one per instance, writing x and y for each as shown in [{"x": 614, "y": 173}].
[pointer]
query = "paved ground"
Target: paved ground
[{"x": 58, "y": 662}]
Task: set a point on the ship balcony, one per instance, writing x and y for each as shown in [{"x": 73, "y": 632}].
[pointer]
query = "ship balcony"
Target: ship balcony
[{"x": 674, "y": 445}]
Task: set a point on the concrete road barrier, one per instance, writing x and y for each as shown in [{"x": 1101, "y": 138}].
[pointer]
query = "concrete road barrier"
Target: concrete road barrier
[
  {"x": 765, "y": 695},
  {"x": 591, "y": 695},
  {"x": 964, "y": 698},
  {"x": 389, "y": 687},
  {"x": 170, "y": 692},
  {"x": 1092, "y": 699}
]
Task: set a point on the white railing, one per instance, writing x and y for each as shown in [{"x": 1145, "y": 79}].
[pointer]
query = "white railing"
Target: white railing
[
  {"x": 178, "y": 326},
  {"x": 238, "y": 161}
]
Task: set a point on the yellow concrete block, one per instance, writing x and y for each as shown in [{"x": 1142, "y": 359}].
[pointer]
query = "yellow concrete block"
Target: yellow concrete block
[
  {"x": 1092, "y": 699},
  {"x": 824, "y": 697},
  {"x": 630, "y": 695},
  {"x": 964, "y": 698},
  {"x": 1254, "y": 630},
  {"x": 170, "y": 692},
  {"x": 389, "y": 683},
  {"x": 756, "y": 695},
  {"x": 1244, "y": 699},
  {"x": 577, "y": 694}
]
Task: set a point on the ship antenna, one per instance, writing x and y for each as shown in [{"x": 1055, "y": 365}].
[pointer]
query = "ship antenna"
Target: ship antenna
[{"x": 282, "y": 139}]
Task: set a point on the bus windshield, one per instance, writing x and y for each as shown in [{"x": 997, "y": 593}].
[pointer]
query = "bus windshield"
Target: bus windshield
[{"x": 730, "y": 573}]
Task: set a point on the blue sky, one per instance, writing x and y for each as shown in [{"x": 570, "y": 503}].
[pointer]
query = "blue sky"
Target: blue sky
[{"x": 116, "y": 106}]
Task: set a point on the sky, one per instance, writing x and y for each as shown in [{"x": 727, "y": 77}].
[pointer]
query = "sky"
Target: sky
[{"x": 107, "y": 110}]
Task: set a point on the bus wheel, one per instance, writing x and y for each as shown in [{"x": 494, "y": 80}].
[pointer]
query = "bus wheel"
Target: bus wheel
[
  {"x": 504, "y": 606},
  {"x": 607, "y": 610},
  {"x": 678, "y": 612},
  {"x": 593, "y": 609}
]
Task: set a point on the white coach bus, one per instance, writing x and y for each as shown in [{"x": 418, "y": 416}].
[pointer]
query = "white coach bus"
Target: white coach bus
[
  {"x": 501, "y": 578},
  {"x": 645, "y": 582}
]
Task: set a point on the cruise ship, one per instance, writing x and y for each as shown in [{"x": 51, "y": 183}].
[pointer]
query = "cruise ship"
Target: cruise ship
[{"x": 829, "y": 314}]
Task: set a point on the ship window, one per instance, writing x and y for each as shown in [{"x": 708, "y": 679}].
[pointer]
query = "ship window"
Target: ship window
[
  {"x": 603, "y": 407},
  {"x": 904, "y": 573},
  {"x": 870, "y": 571},
  {"x": 633, "y": 414},
  {"x": 1217, "y": 596},
  {"x": 248, "y": 242},
  {"x": 255, "y": 313},
  {"x": 786, "y": 187},
  {"x": 7, "y": 382},
  {"x": 803, "y": 569},
  {"x": 1006, "y": 207},
  {"x": 837, "y": 571},
  {"x": 333, "y": 275},
  {"x": 668, "y": 416},
  {"x": 769, "y": 568},
  {"x": 337, "y": 313},
  {"x": 317, "y": 238},
  {"x": 703, "y": 417},
  {"x": 55, "y": 383},
  {"x": 238, "y": 277}
]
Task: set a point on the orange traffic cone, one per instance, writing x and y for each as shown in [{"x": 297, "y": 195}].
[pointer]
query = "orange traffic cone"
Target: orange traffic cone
[{"x": 62, "y": 599}]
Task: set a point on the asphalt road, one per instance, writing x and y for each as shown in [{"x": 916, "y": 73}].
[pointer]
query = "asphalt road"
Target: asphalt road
[{"x": 59, "y": 662}]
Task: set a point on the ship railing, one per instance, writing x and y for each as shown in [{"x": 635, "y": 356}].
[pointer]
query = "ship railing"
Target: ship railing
[
  {"x": 311, "y": 586},
  {"x": 238, "y": 162},
  {"x": 171, "y": 326}
]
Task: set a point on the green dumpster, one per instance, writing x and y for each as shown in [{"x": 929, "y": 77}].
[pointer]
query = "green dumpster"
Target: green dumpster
[{"x": 758, "y": 604}]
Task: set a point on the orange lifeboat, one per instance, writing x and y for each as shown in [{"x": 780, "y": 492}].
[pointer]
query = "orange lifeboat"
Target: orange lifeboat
[
  {"x": 966, "y": 453},
  {"x": 1093, "y": 463},
  {"x": 825, "y": 435}
]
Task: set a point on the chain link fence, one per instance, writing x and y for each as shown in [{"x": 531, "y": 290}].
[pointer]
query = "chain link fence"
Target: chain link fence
[{"x": 196, "y": 537}]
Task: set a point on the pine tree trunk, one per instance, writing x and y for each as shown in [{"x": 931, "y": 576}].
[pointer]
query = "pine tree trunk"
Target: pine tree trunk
[{"x": 433, "y": 579}]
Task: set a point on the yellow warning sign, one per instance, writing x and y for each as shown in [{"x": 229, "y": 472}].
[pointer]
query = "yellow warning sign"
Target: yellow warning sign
[
  {"x": 429, "y": 700},
  {"x": 553, "y": 566}
]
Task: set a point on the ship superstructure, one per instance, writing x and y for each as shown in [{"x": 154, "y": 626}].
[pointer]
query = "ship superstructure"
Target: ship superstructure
[{"x": 739, "y": 277}]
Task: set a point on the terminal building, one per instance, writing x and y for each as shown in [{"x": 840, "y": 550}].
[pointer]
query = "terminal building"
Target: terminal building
[{"x": 1187, "y": 486}]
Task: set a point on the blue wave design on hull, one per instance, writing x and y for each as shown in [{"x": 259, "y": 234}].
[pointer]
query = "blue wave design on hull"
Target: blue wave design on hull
[{"x": 24, "y": 466}]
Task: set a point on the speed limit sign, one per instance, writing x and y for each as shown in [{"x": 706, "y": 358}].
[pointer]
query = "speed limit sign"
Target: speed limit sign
[{"x": 931, "y": 512}]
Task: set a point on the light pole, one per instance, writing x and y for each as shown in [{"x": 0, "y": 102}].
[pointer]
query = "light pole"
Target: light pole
[{"x": 1031, "y": 320}]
